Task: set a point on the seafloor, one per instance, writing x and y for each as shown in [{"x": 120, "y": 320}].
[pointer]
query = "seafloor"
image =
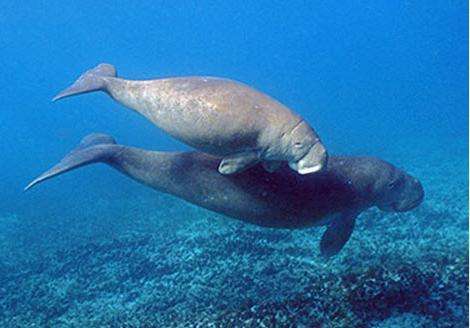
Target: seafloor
[{"x": 187, "y": 267}]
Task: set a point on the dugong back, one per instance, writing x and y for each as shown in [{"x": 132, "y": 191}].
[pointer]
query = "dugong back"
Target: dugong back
[{"x": 211, "y": 114}]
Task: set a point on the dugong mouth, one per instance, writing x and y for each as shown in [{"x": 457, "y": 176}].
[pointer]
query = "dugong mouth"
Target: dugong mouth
[
  {"x": 305, "y": 170},
  {"x": 315, "y": 160},
  {"x": 408, "y": 206}
]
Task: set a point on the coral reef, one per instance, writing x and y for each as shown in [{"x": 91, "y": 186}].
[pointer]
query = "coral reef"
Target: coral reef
[{"x": 232, "y": 274}]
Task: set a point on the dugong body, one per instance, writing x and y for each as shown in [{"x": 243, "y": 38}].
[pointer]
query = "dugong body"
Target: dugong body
[
  {"x": 218, "y": 116},
  {"x": 283, "y": 199}
]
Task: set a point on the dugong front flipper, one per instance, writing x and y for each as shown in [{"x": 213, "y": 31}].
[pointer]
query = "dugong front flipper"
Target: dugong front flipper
[
  {"x": 218, "y": 116},
  {"x": 238, "y": 162},
  {"x": 338, "y": 233}
]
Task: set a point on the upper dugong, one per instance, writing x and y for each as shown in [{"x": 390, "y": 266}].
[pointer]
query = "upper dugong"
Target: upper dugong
[
  {"x": 283, "y": 199},
  {"x": 218, "y": 116}
]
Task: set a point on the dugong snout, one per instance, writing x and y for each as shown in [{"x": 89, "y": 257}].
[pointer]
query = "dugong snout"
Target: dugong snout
[
  {"x": 315, "y": 160},
  {"x": 304, "y": 149}
]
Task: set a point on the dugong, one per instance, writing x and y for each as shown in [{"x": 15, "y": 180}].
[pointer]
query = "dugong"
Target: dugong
[
  {"x": 217, "y": 116},
  {"x": 283, "y": 199}
]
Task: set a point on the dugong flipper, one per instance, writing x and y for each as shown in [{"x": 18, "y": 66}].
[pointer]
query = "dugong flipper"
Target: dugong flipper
[
  {"x": 338, "y": 232},
  {"x": 283, "y": 199},
  {"x": 221, "y": 117}
]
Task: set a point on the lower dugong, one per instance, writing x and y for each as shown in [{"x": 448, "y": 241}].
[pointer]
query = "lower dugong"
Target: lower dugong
[
  {"x": 283, "y": 199},
  {"x": 218, "y": 116}
]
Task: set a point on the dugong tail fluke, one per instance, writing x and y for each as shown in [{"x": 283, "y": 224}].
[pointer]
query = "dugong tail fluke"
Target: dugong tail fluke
[
  {"x": 91, "y": 80},
  {"x": 96, "y": 147}
]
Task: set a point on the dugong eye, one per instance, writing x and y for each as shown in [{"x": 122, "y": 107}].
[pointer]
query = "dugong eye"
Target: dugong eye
[{"x": 298, "y": 145}]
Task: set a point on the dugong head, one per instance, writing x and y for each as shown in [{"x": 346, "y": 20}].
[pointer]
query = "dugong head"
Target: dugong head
[
  {"x": 303, "y": 149},
  {"x": 396, "y": 190}
]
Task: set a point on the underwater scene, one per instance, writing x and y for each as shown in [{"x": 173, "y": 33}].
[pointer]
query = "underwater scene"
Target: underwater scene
[{"x": 234, "y": 164}]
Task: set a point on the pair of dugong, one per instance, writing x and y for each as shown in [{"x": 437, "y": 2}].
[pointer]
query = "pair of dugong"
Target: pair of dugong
[
  {"x": 283, "y": 199},
  {"x": 218, "y": 116}
]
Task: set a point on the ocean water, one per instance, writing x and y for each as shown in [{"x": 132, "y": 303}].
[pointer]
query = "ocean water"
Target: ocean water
[{"x": 92, "y": 248}]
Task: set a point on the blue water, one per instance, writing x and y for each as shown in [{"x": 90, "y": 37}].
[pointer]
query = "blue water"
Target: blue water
[{"x": 379, "y": 78}]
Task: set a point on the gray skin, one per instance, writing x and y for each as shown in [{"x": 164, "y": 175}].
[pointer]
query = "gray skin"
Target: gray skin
[
  {"x": 218, "y": 116},
  {"x": 283, "y": 199}
]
